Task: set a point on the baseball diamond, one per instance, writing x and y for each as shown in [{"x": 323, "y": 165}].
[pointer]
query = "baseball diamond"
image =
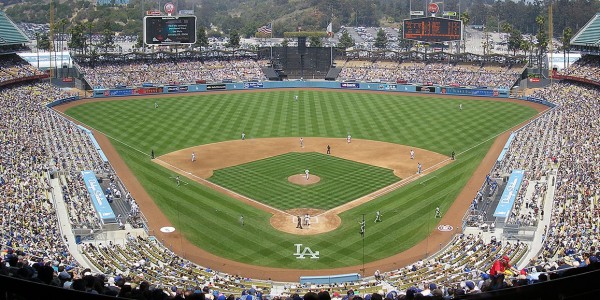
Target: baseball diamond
[{"x": 207, "y": 216}]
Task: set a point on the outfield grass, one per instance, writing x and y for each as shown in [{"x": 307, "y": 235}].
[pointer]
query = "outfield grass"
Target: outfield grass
[
  {"x": 431, "y": 123},
  {"x": 266, "y": 180}
]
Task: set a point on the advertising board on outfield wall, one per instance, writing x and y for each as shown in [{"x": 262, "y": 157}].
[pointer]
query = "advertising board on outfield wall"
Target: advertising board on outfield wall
[
  {"x": 368, "y": 86},
  {"x": 349, "y": 85}
]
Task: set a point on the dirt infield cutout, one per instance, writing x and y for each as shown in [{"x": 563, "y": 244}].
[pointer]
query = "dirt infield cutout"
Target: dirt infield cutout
[{"x": 216, "y": 156}]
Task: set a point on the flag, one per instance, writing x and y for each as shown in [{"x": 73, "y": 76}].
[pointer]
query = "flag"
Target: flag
[
  {"x": 329, "y": 30},
  {"x": 265, "y": 29}
]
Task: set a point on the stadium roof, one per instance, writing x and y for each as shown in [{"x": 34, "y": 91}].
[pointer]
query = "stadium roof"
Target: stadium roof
[
  {"x": 588, "y": 35},
  {"x": 10, "y": 34}
]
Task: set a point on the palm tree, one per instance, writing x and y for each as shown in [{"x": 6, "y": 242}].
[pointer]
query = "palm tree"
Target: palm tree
[
  {"x": 566, "y": 44},
  {"x": 465, "y": 18}
]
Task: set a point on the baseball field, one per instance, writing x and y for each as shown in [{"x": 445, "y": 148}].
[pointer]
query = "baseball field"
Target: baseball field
[{"x": 255, "y": 172}]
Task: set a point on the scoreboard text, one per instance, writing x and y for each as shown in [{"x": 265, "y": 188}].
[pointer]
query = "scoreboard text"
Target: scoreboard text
[
  {"x": 432, "y": 29},
  {"x": 159, "y": 30}
]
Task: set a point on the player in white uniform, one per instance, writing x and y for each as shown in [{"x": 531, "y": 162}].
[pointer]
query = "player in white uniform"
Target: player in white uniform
[
  {"x": 193, "y": 156},
  {"x": 243, "y": 136},
  {"x": 412, "y": 154},
  {"x": 349, "y": 138},
  {"x": 295, "y": 97},
  {"x": 438, "y": 214},
  {"x": 419, "y": 168},
  {"x": 377, "y": 217},
  {"x": 306, "y": 174}
]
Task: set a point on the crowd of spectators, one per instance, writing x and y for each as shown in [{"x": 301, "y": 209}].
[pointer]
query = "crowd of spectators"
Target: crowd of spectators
[
  {"x": 110, "y": 74},
  {"x": 36, "y": 142},
  {"x": 587, "y": 67},
  {"x": 13, "y": 67},
  {"x": 492, "y": 76}
]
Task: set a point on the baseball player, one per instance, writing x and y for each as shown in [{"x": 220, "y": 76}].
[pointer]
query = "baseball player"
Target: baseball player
[
  {"x": 306, "y": 174},
  {"x": 412, "y": 154},
  {"x": 295, "y": 97},
  {"x": 419, "y": 168},
  {"x": 242, "y": 220},
  {"x": 193, "y": 156},
  {"x": 377, "y": 216},
  {"x": 177, "y": 179},
  {"x": 460, "y": 106},
  {"x": 362, "y": 228},
  {"x": 438, "y": 214},
  {"x": 349, "y": 138},
  {"x": 299, "y": 224},
  {"x": 155, "y": 104},
  {"x": 306, "y": 220},
  {"x": 328, "y": 150},
  {"x": 301, "y": 143},
  {"x": 243, "y": 136},
  {"x": 453, "y": 155}
]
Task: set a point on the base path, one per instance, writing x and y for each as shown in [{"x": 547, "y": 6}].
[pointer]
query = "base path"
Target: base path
[{"x": 185, "y": 249}]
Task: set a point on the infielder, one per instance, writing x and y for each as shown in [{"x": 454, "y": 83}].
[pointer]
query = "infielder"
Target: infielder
[
  {"x": 193, "y": 156},
  {"x": 349, "y": 138},
  {"x": 328, "y": 150},
  {"x": 306, "y": 174},
  {"x": 306, "y": 220},
  {"x": 243, "y": 136},
  {"x": 412, "y": 154},
  {"x": 301, "y": 143},
  {"x": 419, "y": 168}
]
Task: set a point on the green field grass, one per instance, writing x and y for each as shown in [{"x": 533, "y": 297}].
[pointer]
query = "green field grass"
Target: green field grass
[
  {"x": 209, "y": 219},
  {"x": 266, "y": 180}
]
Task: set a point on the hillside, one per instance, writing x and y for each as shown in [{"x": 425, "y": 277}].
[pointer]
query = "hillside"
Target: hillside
[{"x": 245, "y": 16}]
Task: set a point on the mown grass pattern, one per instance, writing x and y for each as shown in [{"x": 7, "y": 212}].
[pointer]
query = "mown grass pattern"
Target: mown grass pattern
[
  {"x": 266, "y": 180},
  {"x": 210, "y": 219}
]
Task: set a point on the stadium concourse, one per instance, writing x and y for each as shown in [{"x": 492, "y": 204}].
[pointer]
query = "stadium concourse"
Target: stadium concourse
[{"x": 44, "y": 201}]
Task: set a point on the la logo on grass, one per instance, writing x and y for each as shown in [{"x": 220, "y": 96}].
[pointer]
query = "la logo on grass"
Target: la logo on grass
[{"x": 306, "y": 251}]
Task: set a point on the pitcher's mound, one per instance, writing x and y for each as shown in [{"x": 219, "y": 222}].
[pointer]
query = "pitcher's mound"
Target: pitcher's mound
[{"x": 301, "y": 179}]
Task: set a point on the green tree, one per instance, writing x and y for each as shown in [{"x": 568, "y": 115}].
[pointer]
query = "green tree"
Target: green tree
[
  {"x": 515, "y": 39},
  {"x": 234, "y": 39},
  {"x": 566, "y": 44},
  {"x": 285, "y": 43},
  {"x": 346, "y": 41},
  {"x": 315, "y": 41},
  {"x": 381, "y": 39},
  {"x": 542, "y": 39},
  {"x": 108, "y": 37},
  {"x": 43, "y": 41},
  {"x": 201, "y": 37},
  {"x": 77, "y": 41}
]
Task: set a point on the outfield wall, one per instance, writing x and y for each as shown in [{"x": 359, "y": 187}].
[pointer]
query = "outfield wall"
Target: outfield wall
[{"x": 147, "y": 89}]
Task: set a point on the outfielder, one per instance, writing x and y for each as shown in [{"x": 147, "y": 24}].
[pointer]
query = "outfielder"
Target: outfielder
[
  {"x": 377, "y": 217},
  {"x": 362, "y": 228},
  {"x": 438, "y": 214}
]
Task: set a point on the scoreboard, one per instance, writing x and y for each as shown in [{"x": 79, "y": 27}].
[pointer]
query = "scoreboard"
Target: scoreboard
[
  {"x": 164, "y": 30},
  {"x": 432, "y": 29}
]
